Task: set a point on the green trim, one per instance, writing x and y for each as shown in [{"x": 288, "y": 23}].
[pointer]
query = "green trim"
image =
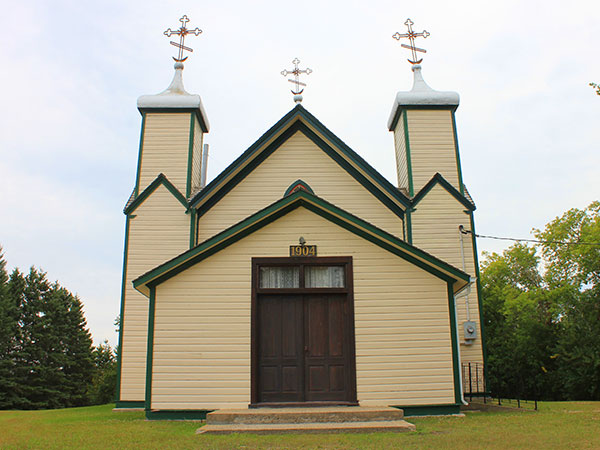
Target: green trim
[
  {"x": 439, "y": 179},
  {"x": 282, "y": 207},
  {"x": 196, "y": 111},
  {"x": 188, "y": 183},
  {"x": 402, "y": 108},
  {"x": 122, "y": 309},
  {"x": 298, "y": 126},
  {"x": 408, "y": 214},
  {"x": 455, "y": 349},
  {"x": 139, "y": 164},
  {"x": 150, "y": 350},
  {"x": 220, "y": 187},
  {"x": 296, "y": 183},
  {"x": 411, "y": 188},
  {"x": 458, "y": 167},
  {"x": 129, "y": 404},
  {"x": 429, "y": 410},
  {"x": 192, "y": 228},
  {"x": 479, "y": 300},
  {"x": 174, "y": 414},
  {"x": 160, "y": 179}
]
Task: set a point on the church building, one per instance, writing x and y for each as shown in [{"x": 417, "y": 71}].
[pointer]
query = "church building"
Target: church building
[{"x": 298, "y": 276}]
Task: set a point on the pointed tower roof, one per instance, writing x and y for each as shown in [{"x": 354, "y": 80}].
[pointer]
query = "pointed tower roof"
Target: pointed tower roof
[{"x": 421, "y": 95}]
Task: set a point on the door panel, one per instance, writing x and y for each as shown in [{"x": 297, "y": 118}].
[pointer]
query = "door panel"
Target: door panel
[{"x": 280, "y": 352}]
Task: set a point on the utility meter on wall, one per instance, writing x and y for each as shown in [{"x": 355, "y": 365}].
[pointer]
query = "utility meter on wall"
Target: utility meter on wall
[{"x": 470, "y": 328}]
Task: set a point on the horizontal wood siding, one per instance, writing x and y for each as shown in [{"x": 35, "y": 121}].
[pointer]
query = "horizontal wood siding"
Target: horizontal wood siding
[
  {"x": 159, "y": 231},
  {"x": 432, "y": 148},
  {"x": 197, "y": 155},
  {"x": 297, "y": 158},
  {"x": 165, "y": 148},
  {"x": 435, "y": 225},
  {"x": 401, "y": 160},
  {"x": 201, "y": 356}
]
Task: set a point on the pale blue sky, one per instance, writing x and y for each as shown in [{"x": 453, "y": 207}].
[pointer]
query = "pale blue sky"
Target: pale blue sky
[{"x": 72, "y": 72}]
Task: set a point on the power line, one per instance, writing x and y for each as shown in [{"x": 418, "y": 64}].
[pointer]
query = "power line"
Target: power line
[{"x": 535, "y": 241}]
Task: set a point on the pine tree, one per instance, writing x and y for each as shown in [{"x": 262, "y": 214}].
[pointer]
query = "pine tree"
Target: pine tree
[{"x": 8, "y": 333}]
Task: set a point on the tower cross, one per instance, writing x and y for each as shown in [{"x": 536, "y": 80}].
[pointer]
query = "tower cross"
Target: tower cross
[
  {"x": 296, "y": 72},
  {"x": 182, "y": 32},
  {"x": 411, "y": 35}
]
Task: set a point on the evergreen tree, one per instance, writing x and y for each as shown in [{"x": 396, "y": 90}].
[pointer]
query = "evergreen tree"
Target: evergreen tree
[{"x": 8, "y": 333}]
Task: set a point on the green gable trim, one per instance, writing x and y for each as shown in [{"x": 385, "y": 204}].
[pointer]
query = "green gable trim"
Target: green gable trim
[
  {"x": 455, "y": 349},
  {"x": 429, "y": 410},
  {"x": 174, "y": 414},
  {"x": 219, "y": 187},
  {"x": 150, "y": 349},
  {"x": 411, "y": 189},
  {"x": 460, "y": 179},
  {"x": 160, "y": 179},
  {"x": 122, "y": 309},
  {"x": 282, "y": 207},
  {"x": 129, "y": 405},
  {"x": 299, "y": 126},
  {"x": 139, "y": 164},
  {"x": 188, "y": 183},
  {"x": 298, "y": 184},
  {"x": 439, "y": 179},
  {"x": 195, "y": 111},
  {"x": 479, "y": 298}
]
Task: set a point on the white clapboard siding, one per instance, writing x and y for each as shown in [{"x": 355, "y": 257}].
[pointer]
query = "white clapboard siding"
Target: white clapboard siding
[
  {"x": 435, "y": 229},
  {"x": 201, "y": 357},
  {"x": 159, "y": 231},
  {"x": 165, "y": 148},
  {"x": 297, "y": 158},
  {"x": 432, "y": 147}
]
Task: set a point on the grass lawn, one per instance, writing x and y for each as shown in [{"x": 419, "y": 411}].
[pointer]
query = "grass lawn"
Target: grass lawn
[{"x": 568, "y": 425}]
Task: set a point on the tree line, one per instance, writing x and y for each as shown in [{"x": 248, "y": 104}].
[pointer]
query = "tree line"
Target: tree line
[
  {"x": 47, "y": 358},
  {"x": 541, "y": 308}
]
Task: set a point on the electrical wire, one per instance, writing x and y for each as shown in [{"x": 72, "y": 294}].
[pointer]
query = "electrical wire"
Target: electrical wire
[{"x": 535, "y": 241}]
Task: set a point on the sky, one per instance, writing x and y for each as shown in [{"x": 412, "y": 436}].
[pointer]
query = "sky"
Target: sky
[{"x": 71, "y": 73}]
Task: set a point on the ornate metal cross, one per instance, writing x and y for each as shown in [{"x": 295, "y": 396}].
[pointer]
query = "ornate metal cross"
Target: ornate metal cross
[
  {"x": 411, "y": 35},
  {"x": 296, "y": 72},
  {"x": 182, "y": 33}
]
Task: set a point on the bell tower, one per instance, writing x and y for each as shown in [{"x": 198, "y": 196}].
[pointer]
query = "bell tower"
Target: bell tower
[{"x": 159, "y": 224}]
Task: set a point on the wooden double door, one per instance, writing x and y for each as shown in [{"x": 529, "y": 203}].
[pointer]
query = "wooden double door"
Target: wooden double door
[{"x": 304, "y": 348}]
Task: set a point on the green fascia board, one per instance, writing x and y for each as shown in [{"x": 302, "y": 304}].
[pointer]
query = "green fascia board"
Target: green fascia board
[
  {"x": 150, "y": 349},
  {"x": 298, "y": 111},
  {"x": 458, "y": 166},
  {"x": 122, "y": 309},
  {"x": 139, "y": 163},
  {"x": 196, "y": 112},
  {"x": 188, "y": 182},
  {"x": 130, "y": 404},
  {"x": 303, "y": 128},
  {"x": 455, "y": 344},
  {"x": 409, "y": 174},
  {"x": 161, "y": 179},
  {"x": 282, "y": 207},
  {"x": 402, "y": 108},
  {"x": 174, "y": 414},
  {"x": 429, "y": 410},
  {"x": 296, "y": 183},
  {"x": 439, "y": 179}
]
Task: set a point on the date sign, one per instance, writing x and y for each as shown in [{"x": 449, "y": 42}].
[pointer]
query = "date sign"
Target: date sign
[{"x": 303, "y": 250}]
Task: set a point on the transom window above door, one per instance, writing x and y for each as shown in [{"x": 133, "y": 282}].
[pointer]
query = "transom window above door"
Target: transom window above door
[{"x": 286, "y": 273}]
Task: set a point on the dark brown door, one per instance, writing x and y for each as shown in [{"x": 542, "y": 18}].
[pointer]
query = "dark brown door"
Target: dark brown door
[{"x": 304, "y": 348}]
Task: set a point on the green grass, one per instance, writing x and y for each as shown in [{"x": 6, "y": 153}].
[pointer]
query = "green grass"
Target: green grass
[{"x": 568, "y": 425}]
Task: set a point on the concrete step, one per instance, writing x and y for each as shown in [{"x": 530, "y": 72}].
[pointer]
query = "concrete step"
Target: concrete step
[
  {"x": 341, "y": 414},
  {"x": 395, "y": 426}
]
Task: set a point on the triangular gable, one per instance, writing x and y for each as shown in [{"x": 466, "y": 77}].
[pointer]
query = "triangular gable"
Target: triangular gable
[
  {"x": 302, "y": 198},
  {"x": 299, "y": 119},
  {"x": 439, "y": 179},
  {"x": 161, "y": 179}
]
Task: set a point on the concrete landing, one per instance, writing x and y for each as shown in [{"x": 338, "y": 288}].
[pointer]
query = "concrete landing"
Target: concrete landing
[{"x": 351, "y": 419}]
